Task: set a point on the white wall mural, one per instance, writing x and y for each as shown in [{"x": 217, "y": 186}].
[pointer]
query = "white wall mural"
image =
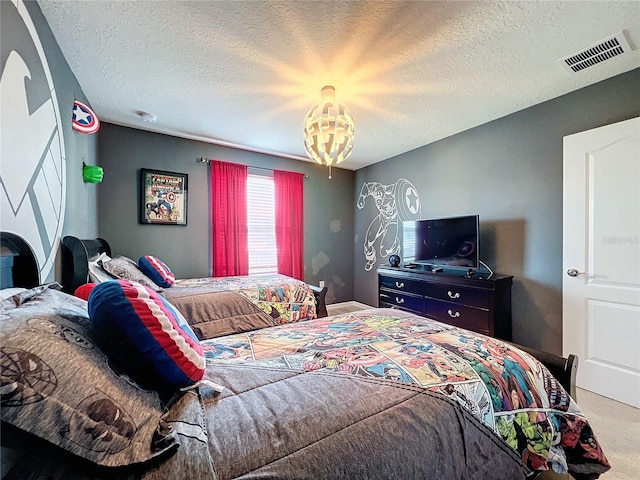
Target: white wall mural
[
  {"x": 32, "y": 160},
  {"x": 396, "y": 203}
]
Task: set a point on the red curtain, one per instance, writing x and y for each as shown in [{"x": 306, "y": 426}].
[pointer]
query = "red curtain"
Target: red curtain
[
  {"x": 289, "y": 205},
  {"x": 229, "y": 219}
]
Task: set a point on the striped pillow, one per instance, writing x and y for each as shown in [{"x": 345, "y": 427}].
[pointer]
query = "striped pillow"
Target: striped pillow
[
  {"x": 156, "y": 270},
  {"x": 145, "y": 335}
]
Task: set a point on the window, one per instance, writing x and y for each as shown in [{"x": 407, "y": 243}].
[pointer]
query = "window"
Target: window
[{"x": 261, "y": 217}]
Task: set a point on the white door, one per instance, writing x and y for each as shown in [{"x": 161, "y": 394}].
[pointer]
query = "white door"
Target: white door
[{"x": 601, "y": 259}]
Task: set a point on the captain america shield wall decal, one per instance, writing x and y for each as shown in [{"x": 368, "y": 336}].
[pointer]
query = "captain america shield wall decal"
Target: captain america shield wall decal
[{"x": 84, "y": 119}]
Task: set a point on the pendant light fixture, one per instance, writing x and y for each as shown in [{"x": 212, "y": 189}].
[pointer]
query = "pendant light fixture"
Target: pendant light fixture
[{"x": 328, "y": 131}]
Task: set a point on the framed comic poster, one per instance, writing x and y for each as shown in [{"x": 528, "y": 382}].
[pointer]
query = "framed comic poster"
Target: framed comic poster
[{"x": 163, "y": 197}]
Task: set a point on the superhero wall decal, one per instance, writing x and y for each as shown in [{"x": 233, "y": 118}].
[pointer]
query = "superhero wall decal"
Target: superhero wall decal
[
  {"x": 396, "y": 203},
  {"x": 32, "y": 159}
]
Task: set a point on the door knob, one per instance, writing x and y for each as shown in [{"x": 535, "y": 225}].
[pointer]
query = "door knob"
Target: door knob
[{"x": 572, "y": 272}]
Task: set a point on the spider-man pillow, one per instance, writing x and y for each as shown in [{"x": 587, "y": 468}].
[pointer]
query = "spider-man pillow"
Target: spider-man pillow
[
  {"x": 145, "y": 335},
  {"x": 156, "y": 270},
  {"x": 59, "y": 388}
]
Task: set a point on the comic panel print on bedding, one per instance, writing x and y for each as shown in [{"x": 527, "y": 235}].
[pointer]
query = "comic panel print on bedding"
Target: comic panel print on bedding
[{"x": 508, "y": 390}]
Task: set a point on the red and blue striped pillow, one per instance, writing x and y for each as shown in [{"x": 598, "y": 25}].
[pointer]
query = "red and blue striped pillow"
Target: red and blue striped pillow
[
  {"x": 145, "y": 335},
  {"x": 156, "y": 270}
]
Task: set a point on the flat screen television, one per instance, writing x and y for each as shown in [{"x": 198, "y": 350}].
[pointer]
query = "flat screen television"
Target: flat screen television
[{"x": 440, "y": 242}]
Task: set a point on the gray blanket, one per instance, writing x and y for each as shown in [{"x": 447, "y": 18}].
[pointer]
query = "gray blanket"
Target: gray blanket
[
  {"x": 58, "y": 388},
  {"x": 289, "y": 425}
]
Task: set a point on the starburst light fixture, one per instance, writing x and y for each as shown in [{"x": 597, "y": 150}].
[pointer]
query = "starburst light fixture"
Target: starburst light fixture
[{"x": 328, "y": 131}]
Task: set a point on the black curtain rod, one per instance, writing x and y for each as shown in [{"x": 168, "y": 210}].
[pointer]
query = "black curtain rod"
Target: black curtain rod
[{"x": 209, "y": 160}]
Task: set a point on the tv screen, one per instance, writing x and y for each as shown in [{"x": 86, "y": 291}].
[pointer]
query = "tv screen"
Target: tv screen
[{"x": 438, "y": 242}]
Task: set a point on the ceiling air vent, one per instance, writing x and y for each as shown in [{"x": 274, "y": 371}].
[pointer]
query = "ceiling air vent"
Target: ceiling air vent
[{"x": 598, "y": 53}]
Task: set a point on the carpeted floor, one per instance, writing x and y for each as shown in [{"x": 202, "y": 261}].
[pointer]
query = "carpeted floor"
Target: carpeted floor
[
  {"x": 616, "y": 425},
  {"x": 617, "y": 428}
]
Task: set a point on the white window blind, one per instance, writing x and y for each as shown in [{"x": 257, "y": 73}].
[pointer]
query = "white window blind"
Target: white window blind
[{"x": 263, "y": 256}]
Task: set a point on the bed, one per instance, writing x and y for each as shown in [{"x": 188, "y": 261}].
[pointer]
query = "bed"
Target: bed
[
  {"x": 376, "y": 394},
  {"x": 252, "y": 299}
]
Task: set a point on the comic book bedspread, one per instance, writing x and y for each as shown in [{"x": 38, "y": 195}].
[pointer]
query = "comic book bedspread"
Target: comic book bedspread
[
  {"x": 508, "y": 390},
  {"x": 221, "y": 305}
]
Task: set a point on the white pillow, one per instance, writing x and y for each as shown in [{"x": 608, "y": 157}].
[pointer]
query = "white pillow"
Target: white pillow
[
  {"x": 96, "y": 273},
  {"x": 10, "y": 292}
]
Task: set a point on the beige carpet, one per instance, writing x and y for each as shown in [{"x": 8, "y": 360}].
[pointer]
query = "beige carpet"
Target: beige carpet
[
  {"x": 617, "y": 428},
  {"x": 616, "y": 425},
  {"x": 345, "y": 307}
]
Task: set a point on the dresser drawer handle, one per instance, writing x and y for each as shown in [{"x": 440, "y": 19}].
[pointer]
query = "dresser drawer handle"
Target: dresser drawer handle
[
  {"x": 453, "y": 315},
  {"x": 453, "y": 295},
  {"x": 399, "y": 284},
  {"x": 399, "y": 301}
]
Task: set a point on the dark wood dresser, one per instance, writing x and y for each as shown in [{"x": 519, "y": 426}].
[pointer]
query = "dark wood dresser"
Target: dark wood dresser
[{"x": 475, "y": 303}]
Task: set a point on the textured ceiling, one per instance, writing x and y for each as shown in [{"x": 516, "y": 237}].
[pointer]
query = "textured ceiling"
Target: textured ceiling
[{"x": 245, "y": 73}]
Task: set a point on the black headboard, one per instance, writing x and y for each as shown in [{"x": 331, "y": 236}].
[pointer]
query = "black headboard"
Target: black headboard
[
  {"x": 76, "y": 255},
  {"x": 24, "y": 272}
]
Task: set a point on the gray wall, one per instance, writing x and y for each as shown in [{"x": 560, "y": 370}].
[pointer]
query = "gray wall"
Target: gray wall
[
  {"x": 80, "y": 215},
  {"x": 329, "y": 216},
  {"x": 508, "y": 171},
  {"x": 81, "y": 206}
]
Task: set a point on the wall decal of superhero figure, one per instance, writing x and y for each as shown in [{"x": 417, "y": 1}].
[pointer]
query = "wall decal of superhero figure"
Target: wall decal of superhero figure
[{"x": 396, "y": 203}]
